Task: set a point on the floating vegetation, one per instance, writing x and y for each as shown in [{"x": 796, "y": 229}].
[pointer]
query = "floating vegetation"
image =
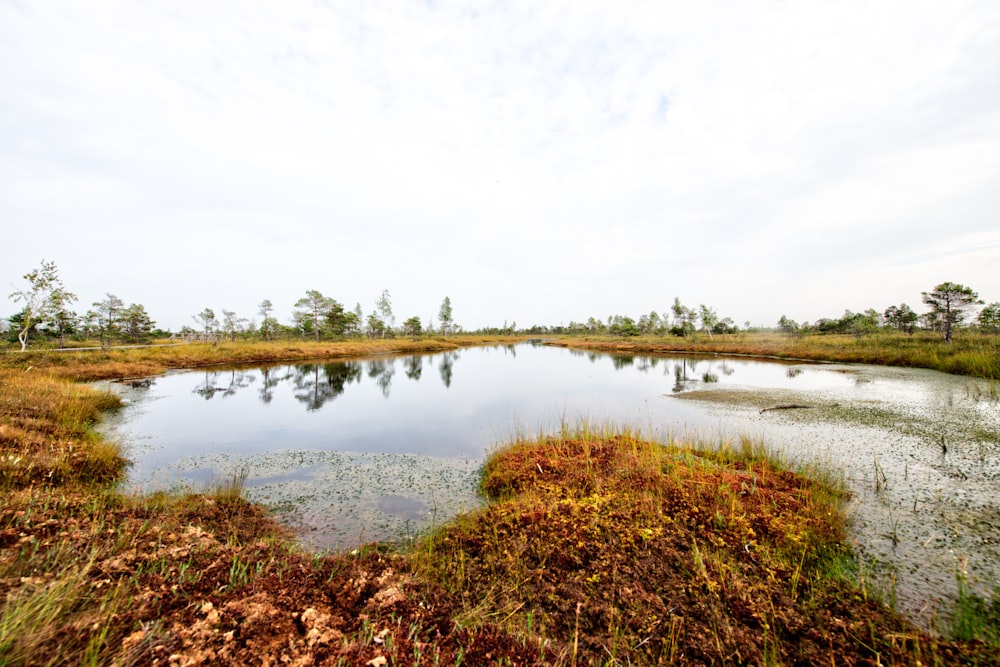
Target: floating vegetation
[{"x": 337, "y": 500}]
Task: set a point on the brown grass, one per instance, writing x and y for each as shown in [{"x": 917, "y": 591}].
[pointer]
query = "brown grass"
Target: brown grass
[
  {"x": 44, "y": 432},
  {"x": 141, "y": 362}
]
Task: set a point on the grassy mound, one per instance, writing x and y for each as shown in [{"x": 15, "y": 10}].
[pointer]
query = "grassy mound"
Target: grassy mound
[{"x": 616, "y": 550}]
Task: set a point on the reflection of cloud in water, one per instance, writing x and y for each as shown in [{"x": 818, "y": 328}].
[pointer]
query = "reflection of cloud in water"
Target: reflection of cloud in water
[
  {"x": 306, "y": 473},
  {"x": 402, "y": 506}
]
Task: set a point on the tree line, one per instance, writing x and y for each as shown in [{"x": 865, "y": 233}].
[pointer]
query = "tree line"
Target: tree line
[
  {"x": 47, "y": 313},
  {"x": 680, "y": 320},
  {"x": 318, "y": 317},
  {"x": 949, "y": 304}
]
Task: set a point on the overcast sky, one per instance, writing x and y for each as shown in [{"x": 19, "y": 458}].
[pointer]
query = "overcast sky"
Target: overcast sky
[{"x": 536, "y": 161}]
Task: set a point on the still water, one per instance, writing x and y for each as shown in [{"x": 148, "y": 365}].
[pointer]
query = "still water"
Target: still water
[{"x": 375, "y": 449}]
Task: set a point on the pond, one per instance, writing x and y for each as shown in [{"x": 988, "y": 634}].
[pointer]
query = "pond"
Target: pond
[{"x": 380, "y": 449}]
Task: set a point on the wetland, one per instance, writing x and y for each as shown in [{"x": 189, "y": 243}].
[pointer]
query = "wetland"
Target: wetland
[{"x": 352, "y": 451}]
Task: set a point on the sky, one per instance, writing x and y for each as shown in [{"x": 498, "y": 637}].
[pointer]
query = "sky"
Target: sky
[{"x": 536, "y": 162}]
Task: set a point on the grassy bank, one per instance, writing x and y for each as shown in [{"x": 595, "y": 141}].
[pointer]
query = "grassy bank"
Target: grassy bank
[
  {"x": 975, "y": 355},
  {"x": 130, "y": 362},
  {"x": 596, "y": 548}
]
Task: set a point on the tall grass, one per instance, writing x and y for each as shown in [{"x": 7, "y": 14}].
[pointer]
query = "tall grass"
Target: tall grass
[
  {"x": 975, "y": 616},
  {"x": 33, "y": 615},
  {"x": 45, "y": 432}
]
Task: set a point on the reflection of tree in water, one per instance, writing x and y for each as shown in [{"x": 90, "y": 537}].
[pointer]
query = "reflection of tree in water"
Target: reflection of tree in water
[
  {"x": 681, "y": 374},
  {"x": 339, "y": 375},
  {"x": 645, "y": 363},
  {"x": 444, "y": 368},
  {"x": 211, "y": 386},
  {"x": 272, "y": 378},
  {"x": 238, "y": 380},
  {"x": 382, "y": 370},
  {"x": 317, "y": 384},
  {"x": 206, "y": 389},
  {"x": 413, "y": 366},
  {"x": 621, "y": 361},
  {"x": 512, "y": 349}
]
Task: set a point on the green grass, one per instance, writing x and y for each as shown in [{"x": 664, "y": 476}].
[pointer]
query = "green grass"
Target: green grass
[{"x": 975, "y": 617}]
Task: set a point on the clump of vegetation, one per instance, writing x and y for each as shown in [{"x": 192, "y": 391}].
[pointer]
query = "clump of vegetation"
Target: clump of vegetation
[
  {"x": 611, "y": 549},
  {"x": 44, "y": 432}
]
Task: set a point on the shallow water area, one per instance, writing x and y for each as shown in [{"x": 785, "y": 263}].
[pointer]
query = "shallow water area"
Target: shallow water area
[
  {"x": 337, "y": 499},
  {"x": 921, "y": 455},
  {"x": 383, "y": 448}
]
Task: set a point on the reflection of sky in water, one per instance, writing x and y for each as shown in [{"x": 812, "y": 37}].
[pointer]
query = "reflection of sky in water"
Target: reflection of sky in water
[
  {"x": 430, "y": 417},
  {"x": 400, "y": 405}
]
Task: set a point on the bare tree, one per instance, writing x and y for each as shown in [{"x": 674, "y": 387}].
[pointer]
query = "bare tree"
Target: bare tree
[
  {"x": 206, "y": 319},
  {"x": 231, "y": 323}
]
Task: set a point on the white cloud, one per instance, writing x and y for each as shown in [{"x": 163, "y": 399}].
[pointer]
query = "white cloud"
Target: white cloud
[{"x": 535, "y": 161}]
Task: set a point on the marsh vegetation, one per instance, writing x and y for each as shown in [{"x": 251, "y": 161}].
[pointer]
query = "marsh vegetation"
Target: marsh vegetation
[{"x": 597, "y": 546}]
